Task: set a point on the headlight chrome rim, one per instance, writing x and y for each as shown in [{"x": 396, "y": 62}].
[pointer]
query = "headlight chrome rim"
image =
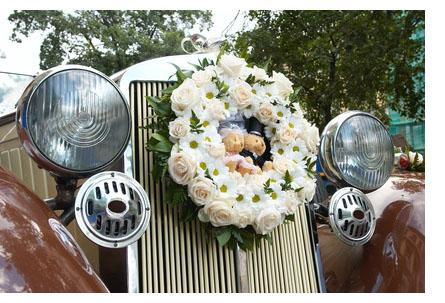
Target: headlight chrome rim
[
  {"x": 327, "y": 154},
  {"x": 26, "y": 137}
]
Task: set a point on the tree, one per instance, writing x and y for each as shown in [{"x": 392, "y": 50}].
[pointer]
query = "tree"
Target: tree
[
  {"x": 366, "y": 60},
  {"x": 106, "y": 40}
]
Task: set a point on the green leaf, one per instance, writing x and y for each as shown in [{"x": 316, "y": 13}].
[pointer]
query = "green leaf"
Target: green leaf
[
  {"x": 290, "y": 217},
  {"x": 250, "y": 79},
  {"x": 159, "y": 137},
  {"x": 160, "y": 108},
  {"x": 266, "y": 187},
  {"x": 160, "y": 146},
  {"x": 176, "y": 194},
  {"x": 221, "y": 52},
  {"x": 190, "y": 212},
  {"x": 298, "y": 189},
  {"x": 181, "y": 74},
  {"x": 224, "y": 237},
  {"x": 237, "y": 236},
  {"x": 287, "y": 181}
]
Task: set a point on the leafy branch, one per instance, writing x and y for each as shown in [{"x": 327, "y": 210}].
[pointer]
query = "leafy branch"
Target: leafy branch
[
  {"x": 251, "y": 80},
  {"x": 195, "y": 126}
]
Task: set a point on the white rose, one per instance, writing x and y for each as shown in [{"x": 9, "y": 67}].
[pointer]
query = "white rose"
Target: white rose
[
  {"x": 201, "y": 190},
  {"x": 182, "y": 168},
  {"x": 242, "y": 94},
  {"x": 217, "y": 109},
  {"x": 283, "y": 84},
  {"x": 259, "y": 73},
  {"x": 309, "y": 188},
  {"x": 232, "y": 65},
  {"x": 185, "y": 97},
  {"x": 412, "y": 157},
  {"x": 213, "y": 70},
  {"x": 266, "y": 112},
  {"x": 281, "y": 164},
  {"x": 216, "y": 150},
  {"x": 267, "y": 220},
  {"x": 220, "y": 213},
  {"x": 311, "y": 137},
  {"x": 256, "y": 179},
  {"x": 286, "y": 134},
  {"x": 291, "y": 201},
  {"x": 246, "y": 216},
  {"x": 202, "y": 77},
  {"x": 179, "y": 128}
]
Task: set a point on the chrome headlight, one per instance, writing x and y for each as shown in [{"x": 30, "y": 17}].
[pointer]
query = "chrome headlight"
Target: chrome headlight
[
  {"x": 73, "y": 121},
  {"x": 357, "y": 150}
]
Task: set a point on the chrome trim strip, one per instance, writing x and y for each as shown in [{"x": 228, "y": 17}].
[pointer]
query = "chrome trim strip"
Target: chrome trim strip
[
  {"x": 316, "y": 247},
  {"x": 133, "y": 268}
]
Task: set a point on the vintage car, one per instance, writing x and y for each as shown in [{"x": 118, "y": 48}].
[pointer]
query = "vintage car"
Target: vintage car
[{"x": 74, "y": 148}]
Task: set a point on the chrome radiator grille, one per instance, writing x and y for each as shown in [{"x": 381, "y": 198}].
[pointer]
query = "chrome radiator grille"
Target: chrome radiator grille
[{"x": 176, "y": 257}]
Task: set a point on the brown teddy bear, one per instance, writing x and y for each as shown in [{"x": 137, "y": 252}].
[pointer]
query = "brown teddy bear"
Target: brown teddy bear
[
  {"x": 254, "y": 144},
  {"x": 268, "y": 165},
  {"x": 234, "y": 144}
]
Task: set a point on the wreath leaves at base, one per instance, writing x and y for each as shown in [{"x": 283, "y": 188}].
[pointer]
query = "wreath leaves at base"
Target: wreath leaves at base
[{"x": 233, "y": 147}]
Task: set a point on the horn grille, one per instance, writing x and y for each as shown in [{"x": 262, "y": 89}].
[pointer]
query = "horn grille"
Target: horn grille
[
  {"x": 352, "y": 216},
  {"x": 112, "y": 209}
]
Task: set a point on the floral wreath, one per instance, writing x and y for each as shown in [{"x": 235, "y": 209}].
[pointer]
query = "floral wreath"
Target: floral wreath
[{"x": 239, "y": 154}]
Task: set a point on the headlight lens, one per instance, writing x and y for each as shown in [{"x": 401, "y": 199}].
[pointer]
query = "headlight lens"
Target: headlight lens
[
  {"x": 74, "y": 120},
  {"x": 357, "y": 150}
]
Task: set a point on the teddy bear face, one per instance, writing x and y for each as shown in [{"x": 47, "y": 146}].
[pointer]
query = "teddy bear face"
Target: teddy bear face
[
  {"x": 234, "y": 142},
  {"x": 254, "y": 144}
]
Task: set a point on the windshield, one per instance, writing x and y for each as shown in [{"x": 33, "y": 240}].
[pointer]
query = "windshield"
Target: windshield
[{"x": 11, "y": 88}]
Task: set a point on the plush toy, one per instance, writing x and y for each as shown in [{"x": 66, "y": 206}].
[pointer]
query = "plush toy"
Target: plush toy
[
  {"x": 234, "y": 143},
  {"x": 254, "y": 144},
  {"x": 268, "y": 165}
]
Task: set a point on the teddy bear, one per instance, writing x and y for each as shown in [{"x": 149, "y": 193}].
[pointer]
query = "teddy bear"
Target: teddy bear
[
  {"x": 268, "y": 165},
  {"x": 234, "y": 143},
  {"x": 254, "y": 144}
]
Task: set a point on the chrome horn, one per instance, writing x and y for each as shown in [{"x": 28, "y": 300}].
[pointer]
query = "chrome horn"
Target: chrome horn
[
  {"x": 112, "y": 209},
  {"x": 350, "y": 215}
]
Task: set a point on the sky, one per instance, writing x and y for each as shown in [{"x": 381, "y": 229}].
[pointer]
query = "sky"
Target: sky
[{"x": 24, "y": 57}]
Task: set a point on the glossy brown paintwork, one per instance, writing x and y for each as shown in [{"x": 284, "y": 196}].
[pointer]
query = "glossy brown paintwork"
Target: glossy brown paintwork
[
  {"x": 37, "y": 253},
  {"x": 394, "y": 259}
]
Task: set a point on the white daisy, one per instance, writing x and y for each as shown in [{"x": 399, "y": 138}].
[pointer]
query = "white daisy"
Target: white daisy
[
  {"x": 209, "y": 91},
  {"x": 283, "y": 113},
  {"x": 217, "y": 169},
  {"x": 297, "y": 150},
  {"x": 225, "y": 184},
  {"x": 270, "y": 130}
]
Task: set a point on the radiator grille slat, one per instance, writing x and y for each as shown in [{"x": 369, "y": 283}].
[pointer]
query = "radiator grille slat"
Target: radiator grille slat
[{"x": 177, "y": 257}]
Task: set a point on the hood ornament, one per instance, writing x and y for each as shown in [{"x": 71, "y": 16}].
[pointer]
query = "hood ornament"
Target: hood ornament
[{"x": 201, "y": 44}]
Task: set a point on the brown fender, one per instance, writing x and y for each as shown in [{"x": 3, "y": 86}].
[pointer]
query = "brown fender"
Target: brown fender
[
  {"x": 394, "y": 259},
  {"x": 37, "y": 253}
]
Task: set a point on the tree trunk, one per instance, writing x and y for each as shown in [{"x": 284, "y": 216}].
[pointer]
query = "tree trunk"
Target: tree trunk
[{"x": 327, "y": 102}]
